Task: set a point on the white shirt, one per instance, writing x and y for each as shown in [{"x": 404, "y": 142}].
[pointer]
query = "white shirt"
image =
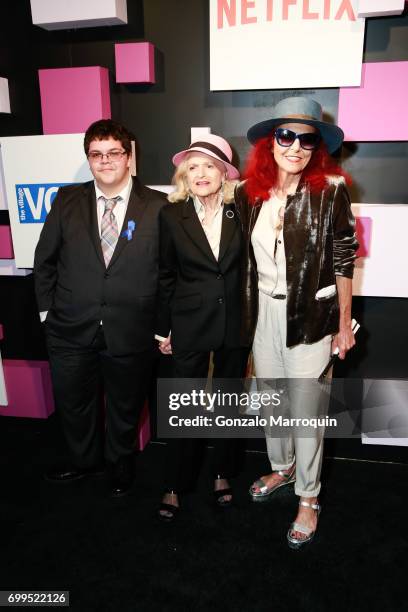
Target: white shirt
[
  {"x": 119, "y": 211},
  {"x": 121, "y": 206},
  {"x": 213, "y": 229},
  {"x": 271, "y": 267}
]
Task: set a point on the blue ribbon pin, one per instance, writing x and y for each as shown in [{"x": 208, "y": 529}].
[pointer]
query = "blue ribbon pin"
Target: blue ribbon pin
[{"x": 127, "y": 233}]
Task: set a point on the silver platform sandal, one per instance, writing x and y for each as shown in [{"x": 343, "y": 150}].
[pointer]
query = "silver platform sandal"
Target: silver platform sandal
[
  {"x": 294, "y": 543},
  {"x": 265, "y": 492}
]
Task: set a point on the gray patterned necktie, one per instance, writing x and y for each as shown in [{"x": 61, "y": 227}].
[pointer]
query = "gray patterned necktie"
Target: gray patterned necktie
[{"x": 109, "y": 229}]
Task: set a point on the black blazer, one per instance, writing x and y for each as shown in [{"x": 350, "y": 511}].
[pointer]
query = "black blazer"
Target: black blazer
[
  {"x": 199, "y": 296},
  {"x": 76, "y": 288}
]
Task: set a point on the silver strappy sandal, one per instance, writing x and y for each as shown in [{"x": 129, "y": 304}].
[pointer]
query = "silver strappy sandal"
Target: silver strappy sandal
[
  {"x": 265, "y": 492},
  {"x": 295, "y": 543}
]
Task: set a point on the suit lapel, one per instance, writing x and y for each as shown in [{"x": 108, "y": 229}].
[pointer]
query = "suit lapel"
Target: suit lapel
[
  {"x": 135, "y": 210},
  {"x": 193, "y": 228},
  {"x": 228, "y": 228}
]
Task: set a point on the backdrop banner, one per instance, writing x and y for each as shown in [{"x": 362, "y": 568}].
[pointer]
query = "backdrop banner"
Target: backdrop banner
[
  {"x": 285, "y": 44},
  {"x": 34, "y": 168}
]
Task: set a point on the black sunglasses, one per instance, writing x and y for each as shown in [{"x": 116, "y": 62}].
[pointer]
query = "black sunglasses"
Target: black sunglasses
[{"x": 286, "y": 138}]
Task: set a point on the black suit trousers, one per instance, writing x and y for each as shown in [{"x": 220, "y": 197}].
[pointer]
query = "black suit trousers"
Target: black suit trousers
[
  {"x": 182, "y": 453},
  {"x": 80, "y": 376}
]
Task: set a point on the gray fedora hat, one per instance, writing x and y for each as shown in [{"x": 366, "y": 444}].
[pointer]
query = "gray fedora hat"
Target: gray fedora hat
[{"x": 299, "y": 110}]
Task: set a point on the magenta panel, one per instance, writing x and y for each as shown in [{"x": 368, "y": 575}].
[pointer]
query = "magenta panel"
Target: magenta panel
[
  {"x": 6, "y": 243},
  {"x": 135, "y": 63},
  {"x": 29, "y": 390},
  {"x": 72, "y": 98},
  {"x": 143, "y": 431},
  {"x": 376, "y": 111},
  {"x": 364, "y": 232}
]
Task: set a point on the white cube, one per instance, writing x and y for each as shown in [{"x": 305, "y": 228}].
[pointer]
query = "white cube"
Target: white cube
[
  {"x": 66, "y": 14},
  {"x": 4, "y": 96},
  {"x": 380, "y": 8},
  {"x": 196, "y": 132}
]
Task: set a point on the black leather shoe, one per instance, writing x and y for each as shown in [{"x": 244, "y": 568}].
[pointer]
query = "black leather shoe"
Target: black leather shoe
[
  {"x": 122, "y": 478},
  {"x": 70, "y": 473}
]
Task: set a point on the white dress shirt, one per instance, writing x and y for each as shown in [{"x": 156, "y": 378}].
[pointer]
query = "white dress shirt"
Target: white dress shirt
[
  {"x": 213, "y": 229},
  {"x": 121, "y": 206}
]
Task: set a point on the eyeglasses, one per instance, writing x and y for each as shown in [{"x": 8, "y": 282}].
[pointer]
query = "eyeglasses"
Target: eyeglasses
[
  {"x": 308, "y": 141},
  {"x": 111, "y": 156}
]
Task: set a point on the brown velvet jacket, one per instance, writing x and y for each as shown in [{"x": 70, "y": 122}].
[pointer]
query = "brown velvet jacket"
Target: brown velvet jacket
[{"x": 320, "y": 243}]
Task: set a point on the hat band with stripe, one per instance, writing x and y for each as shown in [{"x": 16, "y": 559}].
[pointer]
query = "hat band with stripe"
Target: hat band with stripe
[{"x": 215, "y": 150}]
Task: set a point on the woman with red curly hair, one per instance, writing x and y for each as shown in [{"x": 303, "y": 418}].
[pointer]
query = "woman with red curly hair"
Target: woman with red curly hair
[{"x": 300, "y": 247}]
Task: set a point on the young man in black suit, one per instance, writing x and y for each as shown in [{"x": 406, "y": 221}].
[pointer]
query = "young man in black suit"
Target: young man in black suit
[{"x": 95, "y": 268}]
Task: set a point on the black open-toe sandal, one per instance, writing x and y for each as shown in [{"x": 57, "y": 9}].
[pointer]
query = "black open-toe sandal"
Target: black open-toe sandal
[
  {"x": 168, "y": 512},
  {"x": 221, "y": 494}
]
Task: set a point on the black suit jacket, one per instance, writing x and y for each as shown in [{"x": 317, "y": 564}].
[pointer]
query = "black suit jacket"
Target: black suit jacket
[
  {"x": 199, "y": 296},
  {"x": 76, "y": 288}
]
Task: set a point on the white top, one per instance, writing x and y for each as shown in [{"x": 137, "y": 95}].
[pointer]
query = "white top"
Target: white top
[
  {"x": 213, "y": 229},
  {"x": 268, "y": 234},
  {"x": 121, "y": 206}
]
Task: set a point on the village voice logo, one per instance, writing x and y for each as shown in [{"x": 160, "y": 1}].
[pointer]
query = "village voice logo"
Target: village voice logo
[{"x": 34, "y": 201}]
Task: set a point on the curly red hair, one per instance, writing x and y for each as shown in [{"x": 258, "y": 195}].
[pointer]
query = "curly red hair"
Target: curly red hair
[{"x": 261, "y": 170}]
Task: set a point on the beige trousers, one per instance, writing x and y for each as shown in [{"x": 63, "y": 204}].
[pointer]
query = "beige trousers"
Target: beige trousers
[{"x": 294, "y": 372}]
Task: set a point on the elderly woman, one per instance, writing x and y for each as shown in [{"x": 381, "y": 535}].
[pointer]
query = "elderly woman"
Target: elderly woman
[
  {"x": 300, "y": 247},
  {"x": 200, "y": 257}
]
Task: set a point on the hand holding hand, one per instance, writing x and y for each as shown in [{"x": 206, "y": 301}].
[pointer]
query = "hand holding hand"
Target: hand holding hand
[{"x": 165, "y": 346}]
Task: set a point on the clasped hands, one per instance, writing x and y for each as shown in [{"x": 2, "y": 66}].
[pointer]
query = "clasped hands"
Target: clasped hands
[{"x": 165, "y": 346}]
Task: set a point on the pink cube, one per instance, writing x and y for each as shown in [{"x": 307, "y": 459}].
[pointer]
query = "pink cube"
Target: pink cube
[
  {"x": 73, "y": 98},
  {"x": 29, "y": 392},
  {"x": 376, "y": 111},
  {"x": 364, "y": 232},
  {"x": 135, "y": 62},
  {"x": 6, "y": 243},
  {"x": 143, "y": 430},
  {"x": 29, "y": 389}
]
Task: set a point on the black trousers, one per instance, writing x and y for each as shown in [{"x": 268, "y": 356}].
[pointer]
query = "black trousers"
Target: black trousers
[
  {"x": 183, "y": 453},
  {"x": 80, "y": 376}
]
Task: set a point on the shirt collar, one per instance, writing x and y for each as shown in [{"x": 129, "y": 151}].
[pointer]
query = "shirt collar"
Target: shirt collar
[
  {"x": 199, "y": 206},
  {"x": 124, "y": 193}
]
